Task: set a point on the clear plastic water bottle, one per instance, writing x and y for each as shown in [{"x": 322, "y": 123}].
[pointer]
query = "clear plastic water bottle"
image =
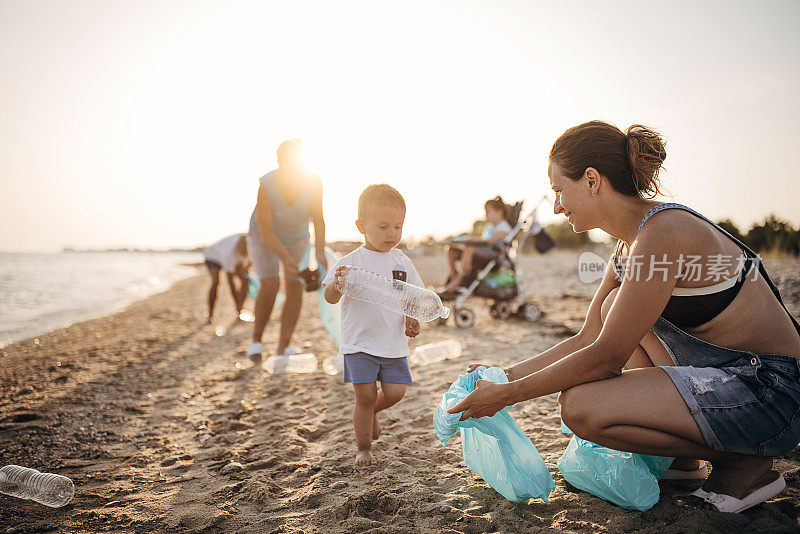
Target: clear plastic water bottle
[
  {"x": 296, "y": 363},
  {"x": 45, "y": 488},
  {"x": 436, "y": 352},
  {"x": 394, "y": 295},
  {"x": 333, "y": 365}
]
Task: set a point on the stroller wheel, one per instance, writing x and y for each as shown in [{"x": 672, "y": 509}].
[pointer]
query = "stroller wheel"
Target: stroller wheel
[
  {"x": 530, "y": 312},
  {"x": 464, "y": 318},
  {"x": 500, "y": 311}
]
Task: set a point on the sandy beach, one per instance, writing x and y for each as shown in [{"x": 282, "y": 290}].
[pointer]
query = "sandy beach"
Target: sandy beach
[{"x": 166, "y": 427}]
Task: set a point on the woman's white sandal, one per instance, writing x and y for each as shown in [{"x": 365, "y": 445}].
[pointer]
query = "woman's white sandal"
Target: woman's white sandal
[{"x": 727, "y": 503}]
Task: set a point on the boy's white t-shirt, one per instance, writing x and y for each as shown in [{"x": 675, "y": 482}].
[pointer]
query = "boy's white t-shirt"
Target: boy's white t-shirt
[{"x": 369, "y": 327}]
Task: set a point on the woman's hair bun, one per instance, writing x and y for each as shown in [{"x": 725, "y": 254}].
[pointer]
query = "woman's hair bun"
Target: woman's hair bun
[
  {"x": 646, "y": 154},
  {"x": 630, "y": 161}
]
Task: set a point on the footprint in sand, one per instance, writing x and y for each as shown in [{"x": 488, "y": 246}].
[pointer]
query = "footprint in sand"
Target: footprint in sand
[{"x": 311, "y": 433}]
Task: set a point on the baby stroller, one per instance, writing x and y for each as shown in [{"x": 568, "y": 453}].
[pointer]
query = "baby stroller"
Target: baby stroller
[{"x": 500, "y": 280}]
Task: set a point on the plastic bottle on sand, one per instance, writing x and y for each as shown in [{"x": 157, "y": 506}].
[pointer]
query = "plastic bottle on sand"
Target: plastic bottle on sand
[
  {"x": 436, "y": 352},
  {"x": 333, "y": 365},
  {"x": 45, "y": 488},
  {"x": 394, "y": 295},
  {"x": 296, "y": 363}
]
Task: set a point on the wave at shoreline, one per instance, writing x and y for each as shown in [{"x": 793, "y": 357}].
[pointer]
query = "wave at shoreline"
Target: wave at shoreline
[{"x": 44, "y": 292}]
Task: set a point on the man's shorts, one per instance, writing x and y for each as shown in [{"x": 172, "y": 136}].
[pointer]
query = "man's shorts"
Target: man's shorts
[
  {"x": 265, "y": 260},
  {"x": 362, "y": 368}
]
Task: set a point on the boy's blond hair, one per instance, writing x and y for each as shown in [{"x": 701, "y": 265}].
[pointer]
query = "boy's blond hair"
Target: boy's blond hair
[{"x": 379, "y": 195}]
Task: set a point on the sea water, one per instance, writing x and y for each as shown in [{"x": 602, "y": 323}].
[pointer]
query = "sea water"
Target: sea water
[{"x": 42, "y": 292}]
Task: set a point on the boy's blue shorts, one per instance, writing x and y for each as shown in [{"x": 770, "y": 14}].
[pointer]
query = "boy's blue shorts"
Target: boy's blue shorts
[{"x": 362, "y": 368}]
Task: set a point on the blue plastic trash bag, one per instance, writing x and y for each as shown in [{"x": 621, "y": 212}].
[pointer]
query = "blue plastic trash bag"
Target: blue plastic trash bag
[
  {"x": 564, "y": 428},
  {"x": 253, "y": 286},
  {"x": 330, "y": 314},
  {"x": 494, "y": 447},
  {"x": 628, "y": 480}
]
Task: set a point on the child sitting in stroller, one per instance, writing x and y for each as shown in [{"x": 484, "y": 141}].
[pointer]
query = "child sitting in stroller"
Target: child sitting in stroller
[
  {"x": 477, "y": 254},
  {"x": 489, "y": 267}
]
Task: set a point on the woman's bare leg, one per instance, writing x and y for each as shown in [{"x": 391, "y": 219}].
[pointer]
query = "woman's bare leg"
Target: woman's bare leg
[
  {"x": 734, "y": 474},
  {"x": 650, "y": 353},
  {"x": 642, "y": 411}
]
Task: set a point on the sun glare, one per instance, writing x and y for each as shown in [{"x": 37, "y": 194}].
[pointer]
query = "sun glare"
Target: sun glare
[{"x": 181, "y": 125}]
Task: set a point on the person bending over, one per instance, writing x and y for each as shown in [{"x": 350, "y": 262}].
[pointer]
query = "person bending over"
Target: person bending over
[{"x": 230, "y": 255}]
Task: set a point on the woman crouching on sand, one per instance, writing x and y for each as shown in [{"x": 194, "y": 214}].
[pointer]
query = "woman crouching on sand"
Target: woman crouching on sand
[{"x": 687, "y": 349}]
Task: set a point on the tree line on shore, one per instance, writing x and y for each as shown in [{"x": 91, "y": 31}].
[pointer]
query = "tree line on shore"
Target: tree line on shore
[{"x": 772, "y": 236}]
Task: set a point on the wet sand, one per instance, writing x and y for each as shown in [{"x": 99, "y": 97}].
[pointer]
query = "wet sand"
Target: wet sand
[{"x": 165, "y": 427}]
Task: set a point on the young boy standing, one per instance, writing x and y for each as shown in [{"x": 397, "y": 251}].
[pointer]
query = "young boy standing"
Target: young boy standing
[{"x": 374, "y": 343}]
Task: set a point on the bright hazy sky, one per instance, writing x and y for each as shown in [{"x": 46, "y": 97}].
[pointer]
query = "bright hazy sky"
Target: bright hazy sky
[{"x": 148, "y": 123}]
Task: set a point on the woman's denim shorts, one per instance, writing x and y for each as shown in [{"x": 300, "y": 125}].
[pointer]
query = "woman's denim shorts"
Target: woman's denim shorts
[{"x": 742, "y": 401}]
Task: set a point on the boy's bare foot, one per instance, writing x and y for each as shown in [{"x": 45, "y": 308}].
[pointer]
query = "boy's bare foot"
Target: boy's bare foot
[
  {"x": 376, "y": 428},
  {"x": 364, "y": 458}
]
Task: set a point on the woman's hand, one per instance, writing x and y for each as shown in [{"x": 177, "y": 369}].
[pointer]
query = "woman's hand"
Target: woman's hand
[{"x": 487, "y": 399}]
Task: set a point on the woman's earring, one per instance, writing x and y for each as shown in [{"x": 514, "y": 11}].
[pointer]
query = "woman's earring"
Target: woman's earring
[{"x": 594, "y": 193}]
